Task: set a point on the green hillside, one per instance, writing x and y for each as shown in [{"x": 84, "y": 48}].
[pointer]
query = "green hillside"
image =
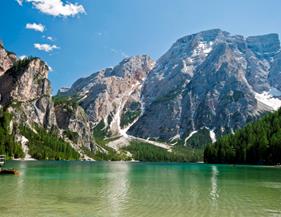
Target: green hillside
[{"x": 257, "y": 143}]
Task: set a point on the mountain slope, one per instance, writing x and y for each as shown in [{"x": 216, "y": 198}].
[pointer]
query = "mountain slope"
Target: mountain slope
[
  {"x": 257, "y": 143},
  {"x": 7, "y": 59},
  {"x": 112, "y": 95},
  {"x": 210, "y": 80},
  {"x": 28, "y": 118}
]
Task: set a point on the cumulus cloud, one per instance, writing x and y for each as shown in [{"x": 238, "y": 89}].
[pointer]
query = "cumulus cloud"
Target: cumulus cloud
[
  {"x": 56, "y": 7},
  {"x": 45, "y": 47},
  {"x": 35, "y": 26}
]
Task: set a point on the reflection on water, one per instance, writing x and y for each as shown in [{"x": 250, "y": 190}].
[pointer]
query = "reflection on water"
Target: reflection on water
[
  {"x": 119, "y": 189},
  {"x": 214, "y": 183}
]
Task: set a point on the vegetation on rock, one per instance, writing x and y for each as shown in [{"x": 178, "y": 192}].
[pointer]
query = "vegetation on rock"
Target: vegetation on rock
[
  {"x": 146, "y": 152},
  {"x": 45, "y": 145},
  {"x": 19, "y": 66},
  {"x": 8, "y": 145},
  {"x": 199, "y": 139},
  {"x": 130, "y": 114},
  {"x": 66, "y": 100}
]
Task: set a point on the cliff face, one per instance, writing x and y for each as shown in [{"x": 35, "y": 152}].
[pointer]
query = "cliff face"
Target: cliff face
[
  {"x": 206, "y": 85},
  {"x": 75, "y": 124},
  {"x": 210, "y": 80},
  {"x": 7, "y": 59},
  {"x": 25, "y": 92},
  {"x": 108, "y": 94}
]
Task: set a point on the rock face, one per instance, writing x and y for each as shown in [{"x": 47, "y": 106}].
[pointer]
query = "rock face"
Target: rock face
[
  {"x": 210, "y": 80},
  {"x": 7, "y": 59},
  {"x": 74, "y": 122},
  {"x": 26, "y": 90},
  {"x": 107, "y": 94}
]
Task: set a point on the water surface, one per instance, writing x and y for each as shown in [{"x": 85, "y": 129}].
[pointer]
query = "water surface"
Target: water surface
[{"x": 120, "y": 189}]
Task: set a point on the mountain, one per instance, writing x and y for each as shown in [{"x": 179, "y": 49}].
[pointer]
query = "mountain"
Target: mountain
[
  {"x": 112, "y": 95},
  {"x": 7, "y": 59},
  {"x": 30, "y": 121},
  {"x": 26, "y": 92},
  {"x": 210, "y": 80},
  {"x": 206, "y": 85},
  {"x": 256, "y": 143}
]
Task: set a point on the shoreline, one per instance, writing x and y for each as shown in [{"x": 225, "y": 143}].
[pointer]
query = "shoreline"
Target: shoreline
[{"x": 156, "y": 162}]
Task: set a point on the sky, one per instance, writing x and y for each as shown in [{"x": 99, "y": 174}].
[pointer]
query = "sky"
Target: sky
[{"x": 80, "y": 37}]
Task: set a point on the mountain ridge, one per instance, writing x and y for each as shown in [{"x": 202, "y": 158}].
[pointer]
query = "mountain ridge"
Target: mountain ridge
[
  {"x": 206, "y": 85},
  {"x": 207, "y": 58}
]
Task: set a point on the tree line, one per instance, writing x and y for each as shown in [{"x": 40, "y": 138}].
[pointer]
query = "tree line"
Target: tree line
[
  {"x": 45, "y": 145},
  {"x": 8, "y": 145},
  {"x": 257, "y": 143}
]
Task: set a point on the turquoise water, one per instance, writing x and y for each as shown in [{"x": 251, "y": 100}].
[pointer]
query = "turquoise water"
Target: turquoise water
[{"x": 120, "y": 189}]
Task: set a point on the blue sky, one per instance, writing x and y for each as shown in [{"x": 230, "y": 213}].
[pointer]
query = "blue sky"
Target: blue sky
[{"x": 94, "y": 34}]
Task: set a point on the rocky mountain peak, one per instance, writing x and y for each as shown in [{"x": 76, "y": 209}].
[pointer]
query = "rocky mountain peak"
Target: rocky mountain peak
[
  {"x": 136, "y": 66},
  {"x": 26, "y": 80},
  {"x": 25, "y": 93},
  {"x": 106, "y": 94},
  {"x": 7, "y": 59},
  {"x": 268, "y": 44},
  {"x": 211, "y": 80}
]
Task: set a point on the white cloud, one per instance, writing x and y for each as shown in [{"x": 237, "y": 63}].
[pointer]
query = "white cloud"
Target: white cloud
[
  {"x": 45, "y": 47},
  {"x": 35, "y": 26},
  {"x": 50, "y": 38},
  {"x": 57, "y": 7}
]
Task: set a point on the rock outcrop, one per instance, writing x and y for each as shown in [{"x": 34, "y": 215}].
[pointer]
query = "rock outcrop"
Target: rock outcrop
[
  {"x": 210, "y": 80},
  {"x": 26, "y": 90},
  {"x": 107, "y": 94},
  {"x": 75, "y": 124},
  {"x": 7, "y": 59}
]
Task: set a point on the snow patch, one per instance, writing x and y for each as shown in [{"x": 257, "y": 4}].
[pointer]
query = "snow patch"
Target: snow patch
[
  {"x": 190, "y": 135},
  {"x": 268, "y": 99},
  {"x": 116, "y": 121},
  {"x": 160, "y": 76},
  {"x": 213, "y": 135},
  {"x": 175, "y": 137},
  {"x": 202, "y": 48}
]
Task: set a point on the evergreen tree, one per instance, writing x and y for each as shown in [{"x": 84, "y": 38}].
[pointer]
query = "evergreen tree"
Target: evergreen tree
[{"x": 256, "y": 143}]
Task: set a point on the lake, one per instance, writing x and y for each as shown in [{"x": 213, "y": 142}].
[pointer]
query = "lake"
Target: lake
[{"x": 127, "y": 189}]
